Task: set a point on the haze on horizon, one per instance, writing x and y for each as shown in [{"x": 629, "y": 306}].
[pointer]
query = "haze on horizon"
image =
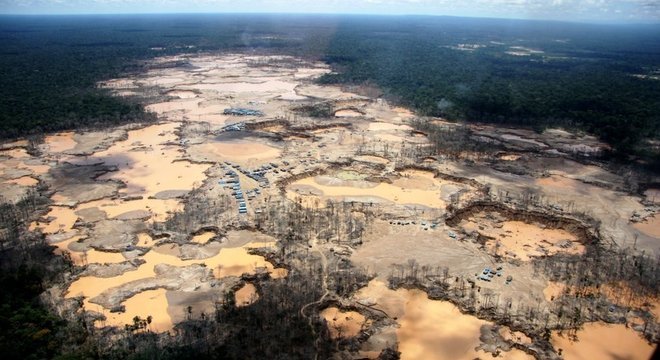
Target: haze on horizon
[{"x": 598, "y": 11}]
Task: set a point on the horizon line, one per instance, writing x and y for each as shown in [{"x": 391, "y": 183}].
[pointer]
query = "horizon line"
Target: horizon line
[{"x": 577, "y": 21}]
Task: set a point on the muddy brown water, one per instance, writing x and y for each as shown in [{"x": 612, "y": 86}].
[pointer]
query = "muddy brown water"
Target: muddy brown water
[
  {"x": 246, "y": 295},
  {"x": 203, "y": 238},
  {"x": 429, "y": 329},
  {"x": 516, "y": 239},
  {"x": 343, "y": 324},
  {"x": 147, "y": 303},
  {"x": 650, "y": 226},
  {"x": 146, "y": 163},
  {"x": 603, "y": 341},
  {"x": 228, "y": 262}
]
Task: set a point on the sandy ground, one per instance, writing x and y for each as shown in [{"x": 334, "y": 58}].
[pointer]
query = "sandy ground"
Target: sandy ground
[
  {"x": 510, "y": 157},
  {"x": 23, "y": 181},
  {"x": 347, "y": 114},
  {"x": 395, "y": 194},
  {"x": 246, "y": 295},
  {"x": 343, "y": 323},
  {"x": 415, "y": 188},
  {"x": 652, "y": 195},
  {"x": 553, "y": 290},
  {"x": 519, "y": 240},
  {"x": 203, "y": 238},
  {"x": 428, "y": 247},
  {"x": 60, "y": 142},
  {"x": 372, "y": 159},
  {"x": 244, "y": 153},
  {"x": 650, "y": 226},
  {"x": 603, "y": 341},
  {"x": 580, "y": 192},
  {"x": 182, "y": 94}
]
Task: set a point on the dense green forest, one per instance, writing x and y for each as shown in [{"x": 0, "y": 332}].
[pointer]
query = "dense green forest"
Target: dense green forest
[
  {"x": 597, "y": 78},
  {"x": 50, "y": 64},
  {"x": 535, "y": 74}
]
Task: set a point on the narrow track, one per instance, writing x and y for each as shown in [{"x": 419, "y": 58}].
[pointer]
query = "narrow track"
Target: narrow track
[{"x": 324, "y": 268}]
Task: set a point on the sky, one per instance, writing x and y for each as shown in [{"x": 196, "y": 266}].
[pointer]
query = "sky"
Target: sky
[{"x": 606, "y": 11}]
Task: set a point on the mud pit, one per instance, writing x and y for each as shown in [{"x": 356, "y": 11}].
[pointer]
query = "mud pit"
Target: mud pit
[
  {"x": 203, "y": 238},
  {"x": 650, "y": 226},
  {"x": 163, "y": 268},
  {"x": 596, "y": 340},
  {"x": 147, "y": 303},
  {"x": 343, "y": 324},
  {"x": 409, "y": 188},
  {"x": 580, "y": 192},
  {"x": 387, "y": 244},
  {"x": 430, "y": 329},
  {"x": 246, "y": 295},
  {"x": 243, "y": 152},
  {"x": 519, "y": 240},
  {"x": 148, "y": 162},
  {"x": 347, "y": 114},
  {"x": 60, "y": 142}
]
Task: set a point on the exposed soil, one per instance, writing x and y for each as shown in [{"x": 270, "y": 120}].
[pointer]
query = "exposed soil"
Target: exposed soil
[
  {"x": 246, "y": 295},
  {"x": 603, "y": 341},
  {"x": 115, "y": 193},
  {"x": 343, "y": 324}
]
